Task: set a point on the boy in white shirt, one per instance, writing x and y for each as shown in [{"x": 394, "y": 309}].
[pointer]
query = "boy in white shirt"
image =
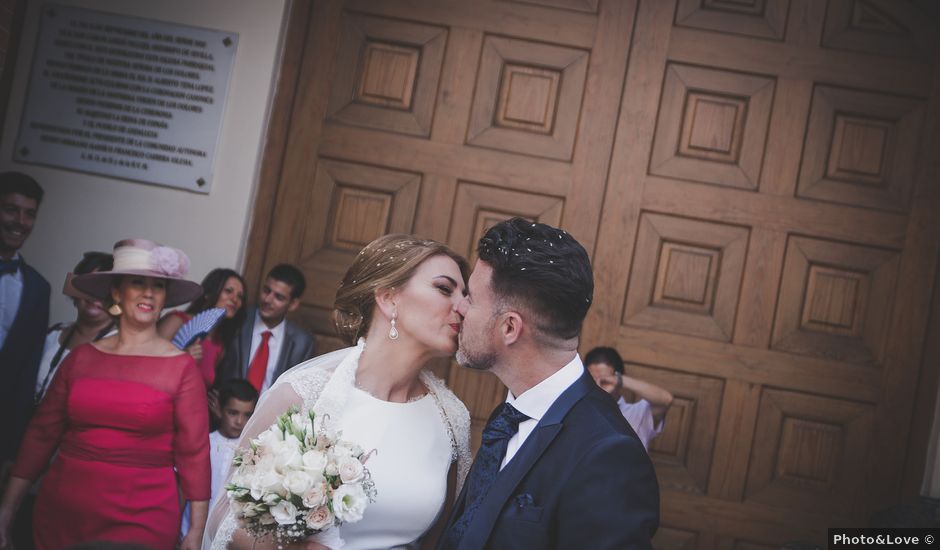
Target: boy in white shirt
[
  {"x": 237, "y": 400},
  {"x": 647, "y": 415}
]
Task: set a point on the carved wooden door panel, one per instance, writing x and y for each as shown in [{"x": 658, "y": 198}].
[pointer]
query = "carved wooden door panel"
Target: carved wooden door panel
[
  {"x": 753, "y": 180},
  {"x": 767, "y": 250},
  {"x": 440, "y": 118}
]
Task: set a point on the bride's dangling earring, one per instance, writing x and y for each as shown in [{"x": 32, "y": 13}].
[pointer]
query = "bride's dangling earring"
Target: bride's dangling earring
[{"x": 393, "y": 332}]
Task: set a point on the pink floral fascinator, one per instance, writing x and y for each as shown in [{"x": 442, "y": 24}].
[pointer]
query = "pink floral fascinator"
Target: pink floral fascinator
[{"x": 147, "y": 258}]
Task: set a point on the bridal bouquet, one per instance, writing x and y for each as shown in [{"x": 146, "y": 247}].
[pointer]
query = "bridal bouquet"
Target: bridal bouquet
[{"x": 298, "y": 479}]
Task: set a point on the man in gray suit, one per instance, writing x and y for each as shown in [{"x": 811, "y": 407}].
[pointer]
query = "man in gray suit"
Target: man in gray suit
[{"x": 268, "y": 344}]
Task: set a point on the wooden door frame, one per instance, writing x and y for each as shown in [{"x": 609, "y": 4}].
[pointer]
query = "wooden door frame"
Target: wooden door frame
[
  {"x": 13, "y": 50},
  {"x": 298, "y": 20},
  {"x": 927, "y": 203},
  {"x": 922, "y": 425}
]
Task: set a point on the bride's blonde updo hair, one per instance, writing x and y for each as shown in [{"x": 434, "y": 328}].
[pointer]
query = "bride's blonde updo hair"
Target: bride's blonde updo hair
[{"x": 386, "y": 262}]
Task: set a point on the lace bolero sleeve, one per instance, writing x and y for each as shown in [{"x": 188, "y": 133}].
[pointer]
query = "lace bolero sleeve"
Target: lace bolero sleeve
[{"x": 457, "y": 419}]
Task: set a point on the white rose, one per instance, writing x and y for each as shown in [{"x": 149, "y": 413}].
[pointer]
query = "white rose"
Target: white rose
[
  {"x": 265, "y": 462},
  {"x": 297, "y": 481},
  {"x": 349, "y": 503},
  {"x": 269, "y": 437},
  {"x": 348, "y": 448},
  {"x": 271, "y": 499},
  {"x": 319, "y": 518},
  {"x": 284, "y": 512},
  {"x": 316, "y": 495},
  {"x": 350, "y": 469},
  {"x": 270, "y": 481},
  {"x": 287, "y": 457},
  {"x": 314, "y": 461}
]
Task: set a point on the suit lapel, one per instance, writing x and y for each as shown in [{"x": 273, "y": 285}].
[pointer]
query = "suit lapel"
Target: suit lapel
[
  {"x": 287, "y": 348},
  {"x": 484, "y": 519}
]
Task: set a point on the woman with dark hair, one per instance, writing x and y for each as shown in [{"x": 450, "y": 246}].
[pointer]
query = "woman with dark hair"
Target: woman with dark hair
[
  {"x": 223, "y": 288},
  {"x": 92, "y": 323},
  {"x": 125, "y": 415}
]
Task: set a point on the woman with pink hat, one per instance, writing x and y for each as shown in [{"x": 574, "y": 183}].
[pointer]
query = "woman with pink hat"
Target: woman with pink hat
[{"x": 124, "y": 413}]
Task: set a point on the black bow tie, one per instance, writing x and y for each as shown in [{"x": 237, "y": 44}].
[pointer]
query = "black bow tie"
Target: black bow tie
[{"x": 10, "y": 266}]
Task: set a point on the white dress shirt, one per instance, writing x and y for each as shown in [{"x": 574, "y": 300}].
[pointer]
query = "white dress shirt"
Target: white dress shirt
[
  {"x": 640, "y": 417},
  {"x": 275, "y": 341},
  {"x": 221, "y": 452},
  {"x": 11, "y": 292},
  {"x": 536, "y": 401}
]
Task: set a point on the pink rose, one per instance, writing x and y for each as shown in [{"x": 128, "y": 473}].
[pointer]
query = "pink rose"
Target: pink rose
[
  {"x": 319, "y": 518},
  {"x": 350, "y": 469},
  {"x": 316, "y": 495}
]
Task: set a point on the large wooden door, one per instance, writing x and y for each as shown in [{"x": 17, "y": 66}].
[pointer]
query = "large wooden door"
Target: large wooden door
[
  {"x": 756, "y": 182},
  {"x": 767, "y": 246},
  {"x": 441, "y": 118}
]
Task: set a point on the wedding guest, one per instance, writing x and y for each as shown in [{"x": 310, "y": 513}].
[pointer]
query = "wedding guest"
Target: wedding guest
[
  {"x": 223, "y": 288},
  {"x": 237, "y": 399},
  {"x": 267, "y": 343},
  {"x": 127, "y": 417},
  {"x": 92, "y": 324},
  {"x": 24, "y": 311},
  {"x": 646, "y": 416}
]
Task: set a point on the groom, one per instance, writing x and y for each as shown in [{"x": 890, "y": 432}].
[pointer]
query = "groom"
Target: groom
[{"x": 559, "y": 467}]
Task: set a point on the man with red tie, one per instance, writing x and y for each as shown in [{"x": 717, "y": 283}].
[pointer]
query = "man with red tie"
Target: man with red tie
[{"x": 268, "y": 344}]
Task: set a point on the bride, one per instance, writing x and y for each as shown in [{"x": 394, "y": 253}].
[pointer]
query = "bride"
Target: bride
[{"x": 399, "y": 300}]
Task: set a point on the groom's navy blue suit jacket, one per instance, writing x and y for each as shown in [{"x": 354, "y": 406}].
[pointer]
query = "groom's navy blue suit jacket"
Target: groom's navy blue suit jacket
[{"x": 582, "y": 479}]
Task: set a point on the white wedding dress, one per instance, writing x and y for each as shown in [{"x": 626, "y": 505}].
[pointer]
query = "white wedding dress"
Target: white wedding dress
[{"x": 415, "y": 443}]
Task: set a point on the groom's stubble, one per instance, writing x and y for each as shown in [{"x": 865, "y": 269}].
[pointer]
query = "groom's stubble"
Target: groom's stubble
[{"x": 472, "y": 353}]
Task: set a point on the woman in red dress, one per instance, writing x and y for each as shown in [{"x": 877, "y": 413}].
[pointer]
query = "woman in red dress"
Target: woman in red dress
[
  {"x": 122, "y": 413},
  {"x": 223, "y": 288}
]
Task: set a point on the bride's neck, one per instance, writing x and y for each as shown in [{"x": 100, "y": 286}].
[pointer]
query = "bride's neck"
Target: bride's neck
[{"x": 389, "y": 369}]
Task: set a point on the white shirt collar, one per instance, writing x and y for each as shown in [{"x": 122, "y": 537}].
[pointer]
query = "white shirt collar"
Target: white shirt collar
[
  {"x": 277, "y": 332},
  {"x": 536, "y": 401}
]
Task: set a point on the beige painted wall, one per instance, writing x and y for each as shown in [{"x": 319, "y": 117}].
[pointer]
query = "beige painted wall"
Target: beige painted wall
[{"x": 85, "y": 212}]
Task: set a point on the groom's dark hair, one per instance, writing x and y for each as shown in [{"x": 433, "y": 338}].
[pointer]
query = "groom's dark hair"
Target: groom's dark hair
[{"x": 541, "y": 269}]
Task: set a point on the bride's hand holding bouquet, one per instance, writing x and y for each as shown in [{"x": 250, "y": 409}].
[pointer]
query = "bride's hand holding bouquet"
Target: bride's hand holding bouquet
[{"x": 299, "y": 479}]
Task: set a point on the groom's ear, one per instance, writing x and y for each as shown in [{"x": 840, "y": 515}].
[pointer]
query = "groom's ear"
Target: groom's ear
[{"x": 511, "y": 327}]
